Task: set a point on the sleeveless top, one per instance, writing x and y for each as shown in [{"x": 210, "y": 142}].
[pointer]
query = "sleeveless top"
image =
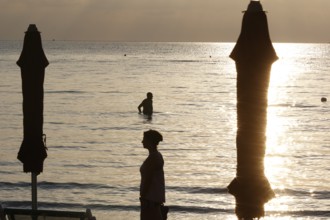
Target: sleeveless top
[{"x": 156, "y": 190}]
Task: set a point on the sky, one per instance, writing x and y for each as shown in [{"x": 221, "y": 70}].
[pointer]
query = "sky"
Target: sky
[{"x": 305, "y": 21}]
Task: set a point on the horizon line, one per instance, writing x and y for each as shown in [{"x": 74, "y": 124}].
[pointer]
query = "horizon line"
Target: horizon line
[{"x": 137, "y": 41}]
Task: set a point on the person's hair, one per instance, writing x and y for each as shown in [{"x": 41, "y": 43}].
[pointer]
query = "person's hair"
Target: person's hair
[{"x": 153, "y": 136}]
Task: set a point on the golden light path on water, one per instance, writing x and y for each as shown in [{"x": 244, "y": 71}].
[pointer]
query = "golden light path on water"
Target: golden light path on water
[{"x": 276, "y": 164}]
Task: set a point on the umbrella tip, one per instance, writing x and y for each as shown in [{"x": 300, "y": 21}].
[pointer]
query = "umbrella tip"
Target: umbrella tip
[
  {"x": 254, "y": 6},
  {"x": 32, "y": 28}
]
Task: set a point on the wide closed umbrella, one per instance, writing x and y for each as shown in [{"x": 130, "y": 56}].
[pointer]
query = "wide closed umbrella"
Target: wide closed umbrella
[
  {"x": 32, "y": 62},
  {"x": 253, "y": 55}
]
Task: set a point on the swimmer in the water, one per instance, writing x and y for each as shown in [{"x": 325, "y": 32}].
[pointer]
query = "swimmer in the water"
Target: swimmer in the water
[{"x": 146, "y": 104}]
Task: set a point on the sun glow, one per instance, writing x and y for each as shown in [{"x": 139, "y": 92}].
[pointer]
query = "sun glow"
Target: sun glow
[
  {"x": 282, "y": 74},
  {"x": 277, "y": 165}
]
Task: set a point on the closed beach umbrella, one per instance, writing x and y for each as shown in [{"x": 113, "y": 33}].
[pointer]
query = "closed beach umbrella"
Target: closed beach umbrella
[
  {"x": 253, "y": 55},
  {"x": 32, "y": 63}
]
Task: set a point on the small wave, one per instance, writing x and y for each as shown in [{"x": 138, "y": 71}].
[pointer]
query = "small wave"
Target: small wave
[
  {"x": 54, "y": 185},
  {"x": 68, "y": 147},
  {"x": 91, "y": 186},
  {"x": 46, "y": 205},
  {"x": 191, "y": 190},
  {"x": 9, "y": 185},
  {"x": 185, "y": 61},
  {"x": 44, "y": 185},
  {"x": 172, "y": 208},
  {"x": 79, "y": 166},
  {"x": 198, "y": 209},
  {"x": 6, "y": 172},
  {"x": 7, "y": 163},
  {"x": 302, "y": 193},
  {"x": 178, "y": 87},
  {"x": 292, "y": 105},
  {"x": 73, "y": 185},
  {"x": 304, "y": 106},
  {"x": 110, "y": 207},
  {"x": 301, "y": 213},
  {"x": 55, "y": 123},
  {"x": 198, "y": 190},
  {"x": 65, "y": 91},
  {"x": 113, "y": 92}
]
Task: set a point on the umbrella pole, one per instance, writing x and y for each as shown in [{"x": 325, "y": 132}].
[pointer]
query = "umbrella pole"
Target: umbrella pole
[{"x": 34, "y": 191}]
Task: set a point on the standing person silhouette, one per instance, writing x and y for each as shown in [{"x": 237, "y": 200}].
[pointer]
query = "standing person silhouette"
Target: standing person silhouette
[
  {"x": 146, "y": 104},
  {"x": 152, "y": 187}
]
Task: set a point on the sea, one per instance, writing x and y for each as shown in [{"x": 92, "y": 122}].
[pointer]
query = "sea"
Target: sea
[{"x": 94, "y": 131}]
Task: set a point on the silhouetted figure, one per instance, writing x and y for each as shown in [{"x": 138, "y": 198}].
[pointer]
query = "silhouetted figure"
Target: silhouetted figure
[
  {"x": 146, "y": 104},
  {"x": 152, "y": 187},
  {"x": 253, "y": 55}
]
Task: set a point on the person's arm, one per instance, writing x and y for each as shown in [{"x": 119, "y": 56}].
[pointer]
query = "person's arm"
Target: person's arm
[{"x": 139, "y": 107}]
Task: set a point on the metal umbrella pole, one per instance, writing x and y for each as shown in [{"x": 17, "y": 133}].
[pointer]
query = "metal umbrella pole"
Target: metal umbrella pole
[{"x": 34, "y": 191}]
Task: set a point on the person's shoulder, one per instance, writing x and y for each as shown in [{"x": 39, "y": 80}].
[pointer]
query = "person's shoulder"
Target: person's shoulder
[
  {"x": 159, "y": 156},
  {"x": 156, "y": 155},
  {"x": 157, "y": 159}
]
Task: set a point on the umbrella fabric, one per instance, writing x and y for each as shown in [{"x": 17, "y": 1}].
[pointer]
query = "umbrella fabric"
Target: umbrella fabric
[
  {"x": 253, "y": 55},
  {"x": 32, "y": 62}
]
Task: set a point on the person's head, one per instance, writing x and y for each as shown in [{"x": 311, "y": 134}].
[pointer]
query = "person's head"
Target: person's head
[
  {"x": 149, "y": 95},
  {"x": 151, "y": 139}
]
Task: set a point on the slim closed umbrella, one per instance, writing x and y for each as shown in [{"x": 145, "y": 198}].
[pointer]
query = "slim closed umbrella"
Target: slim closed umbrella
[
  {"x": 253, "y": 55},
  {"x": 32, "y": 62}
]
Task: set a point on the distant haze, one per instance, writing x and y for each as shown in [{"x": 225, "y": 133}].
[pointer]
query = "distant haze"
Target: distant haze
[{"x": 161, "y": 20}]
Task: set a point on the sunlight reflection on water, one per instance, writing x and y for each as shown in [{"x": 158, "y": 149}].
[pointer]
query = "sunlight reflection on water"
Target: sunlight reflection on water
[{"x": 286, "y": 139}]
